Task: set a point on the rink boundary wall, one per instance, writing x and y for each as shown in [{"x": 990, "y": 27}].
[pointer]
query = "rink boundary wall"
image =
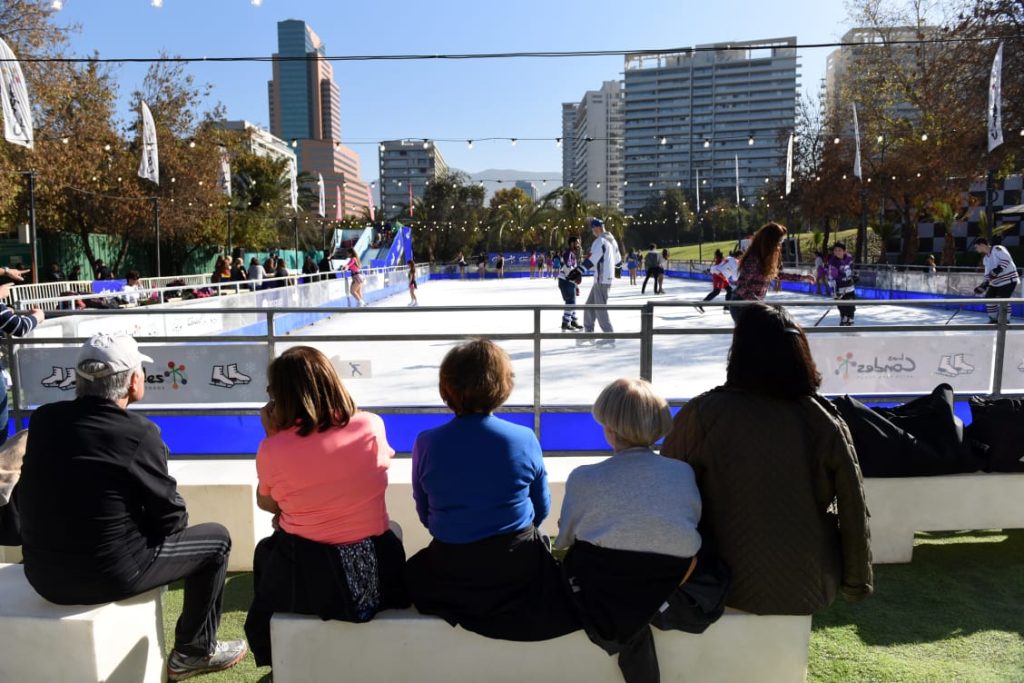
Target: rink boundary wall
[
  {"x": 864, "y": 293},
  {"x": 205, "y": 436}
]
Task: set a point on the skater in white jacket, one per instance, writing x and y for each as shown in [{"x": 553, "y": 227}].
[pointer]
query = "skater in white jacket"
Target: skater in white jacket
[{"x": 604, "y": 255}]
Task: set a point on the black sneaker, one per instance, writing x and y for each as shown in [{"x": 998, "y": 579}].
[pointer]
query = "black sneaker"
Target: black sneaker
[{"x": 225, "y": 655}]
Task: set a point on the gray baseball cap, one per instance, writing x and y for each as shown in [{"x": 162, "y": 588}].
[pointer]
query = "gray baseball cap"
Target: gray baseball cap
[{"x": 117, "y": 352}]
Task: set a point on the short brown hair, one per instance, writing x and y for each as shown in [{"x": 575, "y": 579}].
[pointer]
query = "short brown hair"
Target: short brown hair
[
  {"x": 476, "y": 377},
  {"x": 307, "y": 392}
]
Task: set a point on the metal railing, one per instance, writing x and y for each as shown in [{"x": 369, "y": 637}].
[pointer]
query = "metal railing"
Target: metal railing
[
  {"x": 648, "y": 332},
  {"x": 52, "y": 296}
]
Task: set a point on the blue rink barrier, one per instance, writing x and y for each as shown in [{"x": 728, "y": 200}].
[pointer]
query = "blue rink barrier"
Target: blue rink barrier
[
  {"x": 866, "y": 293},
  {"x": 203, "y": 436}
]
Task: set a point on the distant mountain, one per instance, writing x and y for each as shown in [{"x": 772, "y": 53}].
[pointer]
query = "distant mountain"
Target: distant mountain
[{"x": 495, "y": 179}]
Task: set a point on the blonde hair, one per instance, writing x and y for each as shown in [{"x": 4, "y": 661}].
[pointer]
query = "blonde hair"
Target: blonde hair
[{"x": 633, "y": 412}]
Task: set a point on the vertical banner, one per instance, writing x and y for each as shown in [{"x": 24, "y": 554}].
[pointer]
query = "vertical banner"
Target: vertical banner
[
  {"x": 856, "y": 143},
  {"x": 995, "y": 101},
  {"x": 322, "y": 208},
  {"x": 737, "y": 159},
  {"x": 369, "y": 199},
  {"x": 224, "y": 177},
  {"x": 293, "y": 177},
  {"x": 789, "y": 165},
  {"x": 339, "y": 212},
  {"x": 149, "y": 165},
  {"x": 14, "y": 100}
]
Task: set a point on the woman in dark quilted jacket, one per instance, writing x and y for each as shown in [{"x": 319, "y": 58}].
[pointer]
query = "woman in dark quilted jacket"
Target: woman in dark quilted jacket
[{"x": 778, "y": 474}]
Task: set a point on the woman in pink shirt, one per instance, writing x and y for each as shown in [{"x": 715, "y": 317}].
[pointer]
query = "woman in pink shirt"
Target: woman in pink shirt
[
  {"x": 323, "y": 470},
  {"x": 355, "y": 267}
]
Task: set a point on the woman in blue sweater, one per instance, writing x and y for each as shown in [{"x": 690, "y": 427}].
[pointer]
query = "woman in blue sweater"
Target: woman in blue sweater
[{"x": 481, "y": 489}]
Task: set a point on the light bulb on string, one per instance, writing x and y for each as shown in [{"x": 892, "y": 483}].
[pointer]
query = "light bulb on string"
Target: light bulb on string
[
  {"x": 57, "y": 5},
  {"x": 835, "y": 141},
  {"x": 469, "y": 143},
  {"x": 707, "y": 143},
  {"x": 158, "y": 4},
  {"x": 750, "y": 140},
  {"x": 924, "y": 137},
  {"x": 879, "y": 139},
  {"x": 514, "y": 142},
  {"x": 664, "y": 140}
]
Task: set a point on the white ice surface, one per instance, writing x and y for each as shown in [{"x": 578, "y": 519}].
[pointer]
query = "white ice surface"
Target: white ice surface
[{"x": 405, "y": 372}]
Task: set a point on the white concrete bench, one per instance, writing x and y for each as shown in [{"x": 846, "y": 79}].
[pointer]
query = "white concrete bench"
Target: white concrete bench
[
  {"x": 224, "y": 491},
  {"x": 120, "y": 642},
  {"x": 901, "y": 506},
  {"x": 403, "y": 645},
  {"x": 10, "y": 554}
]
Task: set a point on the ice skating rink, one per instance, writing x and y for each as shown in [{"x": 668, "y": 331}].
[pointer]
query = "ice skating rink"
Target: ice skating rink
[{"x": 404, "y": 372}]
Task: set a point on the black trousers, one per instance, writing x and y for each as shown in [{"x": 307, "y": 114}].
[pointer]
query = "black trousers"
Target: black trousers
[
  {"x": 652, "y": 272},
  {"x": 847, "y": 311},
  {"x": 296, "y": 575},
  {"x": 198, "y": 554},
  {"x": 713, "y": 294},
  {"x": 1001, "y": 292}
]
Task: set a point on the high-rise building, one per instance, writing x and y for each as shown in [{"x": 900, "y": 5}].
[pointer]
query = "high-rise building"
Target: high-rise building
[
  {"x": 707, "y": 111},
  {"x": 528, "y": 187},
  {"x": 855, "y": 42},
  {"x": 597, "y": 154},
  {"x": 261, "y": 142},
  {"x": 405, "y": 165},
  {"x": 568, "y": 141},
  {"x": 305, "y": 110}
]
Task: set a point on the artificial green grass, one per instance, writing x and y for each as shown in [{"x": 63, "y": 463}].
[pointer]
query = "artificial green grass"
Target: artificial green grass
[
  {"x": 956, "y": 613},
  {"x": 693, "y": 252}
]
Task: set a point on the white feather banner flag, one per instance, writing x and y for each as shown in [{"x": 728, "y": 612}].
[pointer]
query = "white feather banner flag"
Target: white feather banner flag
[
  {"x": 293, "y": 179},
  {"x": 995, "y": 101},
  {"x": 322, "y": 209},
  {"x": 789, "y": 165},
  {"x": 14, "y": 99},
  {"x": 856, "y": 143},
  {"x": 224, "y": 176},
  {"x": 149, "y": 165}
]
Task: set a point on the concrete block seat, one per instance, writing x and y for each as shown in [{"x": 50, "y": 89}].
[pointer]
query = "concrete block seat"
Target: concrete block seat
[
  {"x": 900, "y": 507},
  {"x": 739, "y": 647},
  {"x": 224, "y": 491},
  {"x": 120, "y": 642}
]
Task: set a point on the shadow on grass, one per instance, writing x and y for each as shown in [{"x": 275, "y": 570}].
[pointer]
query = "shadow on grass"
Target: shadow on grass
[{"x": 950, "y": 588}]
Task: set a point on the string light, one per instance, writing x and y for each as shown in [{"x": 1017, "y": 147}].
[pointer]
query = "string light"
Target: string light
[
  {"x": 158, "y": 4},
  {"x": 750, "y": 140},
  {"x": 514, "y": 142},
  {"x": 469, "y": 143},
  {"x": 924, "y": 137},
  {"x": 707, "y": 143},
  {"x": 879, "y": 139},
  {"x": 664, "y": 140},
  {"x": 57, "y": 5},
  {"x": 836, "y": 141}
]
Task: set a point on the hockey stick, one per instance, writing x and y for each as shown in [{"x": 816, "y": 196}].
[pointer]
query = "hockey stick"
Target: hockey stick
[{"x": 958, "y": 309}]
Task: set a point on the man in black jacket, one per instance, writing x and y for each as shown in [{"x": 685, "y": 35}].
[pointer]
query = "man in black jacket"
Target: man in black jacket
[{"x": 102, "y": 520}]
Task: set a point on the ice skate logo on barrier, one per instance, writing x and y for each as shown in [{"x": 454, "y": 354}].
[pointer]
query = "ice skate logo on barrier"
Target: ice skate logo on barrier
[
  {"x": 227, "y": 376},
  {"x": 1020, "y": 368},
  {"x": 176, "y": 373},
  {"x": 60, "y": 378},
  {"x": 887, "y": 367},
  {"x": 954, "y": 365}
]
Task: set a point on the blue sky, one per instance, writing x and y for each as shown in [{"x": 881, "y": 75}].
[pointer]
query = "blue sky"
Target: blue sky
[{"x": 464, "y": 100}]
